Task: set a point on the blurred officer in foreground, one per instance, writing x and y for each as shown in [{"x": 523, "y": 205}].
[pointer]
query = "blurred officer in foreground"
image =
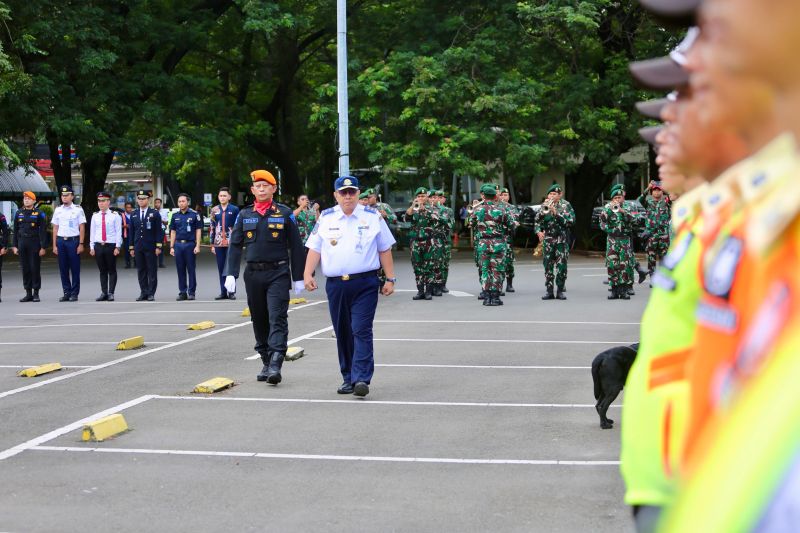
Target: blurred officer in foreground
[
  {"x": 105, "y": 242},
  {"x": 3, "y": 244},
  {"x": 30, "y": 242},
  {"x": 352, "y": 242},
  {"x": 69, "y": 232},
  {"x": 274, "y": 258},
  {"x": 185, "y": 232},
  {"x": 145, "y": 245},
  {"x": 223, "y": 218}
]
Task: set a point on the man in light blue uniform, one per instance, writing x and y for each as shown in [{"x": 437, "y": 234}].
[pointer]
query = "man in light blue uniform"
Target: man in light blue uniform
[{"x": 352, "y": 242}]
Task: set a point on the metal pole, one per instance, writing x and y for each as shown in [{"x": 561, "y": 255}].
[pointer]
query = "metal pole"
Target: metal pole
[{"x": 341, "y": 55}]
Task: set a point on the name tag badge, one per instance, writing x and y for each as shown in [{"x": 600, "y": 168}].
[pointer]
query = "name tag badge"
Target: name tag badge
[{"x": 149, "y": 226}]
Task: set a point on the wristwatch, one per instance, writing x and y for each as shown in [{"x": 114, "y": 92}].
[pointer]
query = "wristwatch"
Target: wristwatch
[{"x": 393, "y": 280}]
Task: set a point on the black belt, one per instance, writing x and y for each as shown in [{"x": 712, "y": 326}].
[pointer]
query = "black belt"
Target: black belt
[
  {"x": 69, "y": 238},
  {"x": 105, "y": 244},
  {"x": 184, "y": 242},
  {"x": 266, "y": 265},
  {"x": 347, "y": 277}
]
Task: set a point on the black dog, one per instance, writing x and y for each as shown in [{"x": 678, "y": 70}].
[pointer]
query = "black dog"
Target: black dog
[{"x": 609, "y": 372}]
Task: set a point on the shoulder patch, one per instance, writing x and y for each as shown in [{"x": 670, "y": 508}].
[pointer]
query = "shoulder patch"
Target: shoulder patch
[
  {"x": 371, "y": 210},
  {"x": 327, "y": 212}
]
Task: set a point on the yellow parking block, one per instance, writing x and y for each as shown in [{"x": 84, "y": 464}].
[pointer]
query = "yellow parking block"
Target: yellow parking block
[
  {"x": 293, "y": 301},
  {"x": 206, "y": 324},
  {"x": 130, "y": 344},
  {"x": 294, "y": 353},
  {"x": 105, "y": 428},
  {"x": 246, "y": 311},
  {"x": 213, "y": 385},
  {"x": 39, "y": 370}
]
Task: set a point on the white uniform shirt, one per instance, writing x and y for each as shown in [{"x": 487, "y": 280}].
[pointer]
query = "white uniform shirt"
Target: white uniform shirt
[
  {"x": 113, "y": 229},
  {"x": 350, "y": 245},
  {"x": 68, "y": 220}
]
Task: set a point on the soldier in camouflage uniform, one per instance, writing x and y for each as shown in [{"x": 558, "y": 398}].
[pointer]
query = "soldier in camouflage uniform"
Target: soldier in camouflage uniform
[
  {"x": 491, "y": 223},
  {"x": 306, "y": 216},
  {"x": 371, "y": 200},
  {"x": 420, "y": 236},
  {"x": 504, "y": 197},
  {"x": 442, "y": 242},
  {"x": 657, "y": 225},
  {"x": 617, "y": 222},
  {"x": 552, "y": 225}
]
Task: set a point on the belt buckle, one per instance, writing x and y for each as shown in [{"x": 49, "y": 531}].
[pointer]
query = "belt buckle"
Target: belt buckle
[{"x": 346, "y": 277}]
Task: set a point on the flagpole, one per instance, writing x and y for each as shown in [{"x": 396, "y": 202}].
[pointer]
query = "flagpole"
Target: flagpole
[{"x": 341, "y": 68}]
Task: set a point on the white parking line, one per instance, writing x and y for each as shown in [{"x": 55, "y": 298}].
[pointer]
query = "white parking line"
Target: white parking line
[
  {"x": 28, "y": 366},
  {"x": 548, "y": 322},
  {"x": 501, "y": 341},
  {"x": 37, "y": 343},
  {"x": 184, "y": 324},
  {"x": 11, "y": 452},
  {"x": 572, "y": 269},
  {"x": 489, "y": 367},
  {"x": 148, "y": 312},
  {"x": 134, "y": 356},
  {"x": 296, "y": 339},
  {"x": 316, "y": 457}
]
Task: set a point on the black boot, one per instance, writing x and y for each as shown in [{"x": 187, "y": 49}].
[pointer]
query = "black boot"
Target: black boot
[
  {"x": 262, "y": 376},
  {"x": 497, "y": 300},
  {"x": 630, "y": 291},
  {"x": 436, "y": 289},
  {"x": 27, "y": 297},
  {"x": 614, "y": 293},
  {"x": 624, "y": 293},
  {"x": 429, "y": 291},
  {"x": 549, "y": 294},
  {"x": 482, "y": 295},
  {"x": 445, "y": 289},
  {"x": 35, "y": 295},
  {"x": 509, "y": 284},
  {"x": 642, "y": 273},
  {"x": 487, "y": 300},
  {"x": 560, "y": 294},
  {"x": 420, "y": 293},
  {"x": 274, "y": 368}
]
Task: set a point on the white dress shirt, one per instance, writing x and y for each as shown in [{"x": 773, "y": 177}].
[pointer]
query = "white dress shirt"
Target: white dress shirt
[
  {"x": 350, "y": 244},
  {"x": 68, "y": 220},
  {"x": 113, "y": 229}
]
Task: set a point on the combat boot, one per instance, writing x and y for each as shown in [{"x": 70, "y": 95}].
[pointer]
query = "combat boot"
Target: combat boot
[
  {"x": 429, "y": 291},
  {"x": 624, "y": 293},
  {"x": 629, "y": 290},
  {"x": 445, "y": 289},
  {"x": 420, "y": 293},
  {"x": 560, "y": 294},
  {"x": 436, "y": 289},
  {"x": 27, "y": 297},
  {"x": 497, "y": 300},
  {"x": 264, "y": 374},
  {"x": 482, "y": 295},
  {"x": 274, "y": 368},
  {"x": 510, "y": 284},
  {"x": 614, "y": 293},
  {"x": 36, "y": 295},
  {"x": 642, "y": 273},
  {"x": 549, "y": 294}
]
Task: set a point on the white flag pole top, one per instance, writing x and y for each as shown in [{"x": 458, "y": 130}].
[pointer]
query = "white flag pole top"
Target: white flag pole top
[{"x": 341, "y": 54}]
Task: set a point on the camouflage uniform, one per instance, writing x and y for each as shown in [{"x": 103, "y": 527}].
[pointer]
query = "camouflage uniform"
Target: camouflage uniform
[
  {"x": 440, "y": 243},
  {"x": 448, "y": 249},
  {"x": 390, "y": 218},
  {"x": 619, "y": 251},
  {"x": 420, "y": 236},
  {"x": 513, "y": 212},
  {"x": 491, "y": 223},
  {"x": 306, "y": 221},
  {"x": 555, "y": 248},
  {"x": 657, "y": 227}
]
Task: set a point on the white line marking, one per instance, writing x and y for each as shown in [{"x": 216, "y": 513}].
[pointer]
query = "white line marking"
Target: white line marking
[
  {"x": 149, "y": 312},
  {"x": 502, "y": 341},
  {"x": 571, "y": 269},
  {"x": 490, "y": 367},
  {"x": 555, "y": 322},
  {"x": 460, "y": 294},
  {"x": 133, "y": 356},
  {"x": 377, "y": 402},
  {"x": 29, "y": 366},
  {"x": 315, "y": 457},
  {"x": 11, "y": 452},
  {"x": 296, "y": 339},
  {"x": 112, "y": 324},
  {"x": 37, "y": 343},
  {"x": 185, "y": 302}
]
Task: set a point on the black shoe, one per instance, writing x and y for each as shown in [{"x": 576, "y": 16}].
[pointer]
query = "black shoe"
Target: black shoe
[
  {"x": 181, "y": 297},
  {"x": 110, "y": 297},
  {"x": 151, "y": 298},
  {"x": 496, "y": 299},
  {"x": 482, "y": 295},
  {"x": 623, "y": 293},
  {"x": 642, "y": 273},
  {"x": 630, "y": 290},
  {"x": 429, "y": 291},
  {"x": 345, "y": 388},
  {"x": 549, "y": 295},
  {"x": 221, "y": 297},
  {"x": 274, "y": 369},
  {"x": 502, "y": 293},
  {"x": 420, "y": 293},
  {"x": 27, "y": 298},
  {"x": 445, "y": 289},
  {"x": 36, "y": 295},
  {"x": 102, "y": 298},
  {"x": 73, "y": 298},
  {"x": 191, "y": 296},
  {"x": 487, "y": 301},
  {"x": 509, "y": 286},
  {"x": 231, "y": 296},
  {"x": 141, "y": 298},
  {"x": 560, "y": 295},
  {"x": 614, "y": 293},
  {"x": 360, "y": 389},
  {"x": 262, "y": 376},
  {"x": 436, "y": 289},
  {"x": 64, "y": 298}
]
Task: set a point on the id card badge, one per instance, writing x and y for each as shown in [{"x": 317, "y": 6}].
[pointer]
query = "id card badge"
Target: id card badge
[
  {"x": 149, "y": 225},
  {"x": 72, "y": 222}
]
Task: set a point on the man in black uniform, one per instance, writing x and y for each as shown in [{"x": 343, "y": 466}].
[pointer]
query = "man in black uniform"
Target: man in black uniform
[
  {"x": 30, "y": 242},
  {"x": 3, "y": 244},
  {"x": 273, "y": 241},
  {"x": 146, "y": 237}
]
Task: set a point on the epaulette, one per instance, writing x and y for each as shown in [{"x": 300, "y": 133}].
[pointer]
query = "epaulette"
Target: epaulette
[
  {"x": 327, "y": 212},
  {"x": 771, "y": 217},
  {"x": 371, "y": 210},
  {"x": 687, "y": 206}
]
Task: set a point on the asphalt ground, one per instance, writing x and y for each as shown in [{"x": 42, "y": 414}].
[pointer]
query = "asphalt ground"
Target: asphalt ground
[{"x": 477, "y": 419}]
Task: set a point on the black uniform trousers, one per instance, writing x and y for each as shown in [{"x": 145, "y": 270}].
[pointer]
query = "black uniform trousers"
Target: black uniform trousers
[
  {"x": 147, "y": 270},
  {"x": 268, "y": 299},
  {"x": 107, "y": 263},
  {"x": 29, "y": 260}
]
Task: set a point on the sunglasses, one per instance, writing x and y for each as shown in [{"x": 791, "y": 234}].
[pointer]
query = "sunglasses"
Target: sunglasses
[
  {"x": 142, "y": 198},
  {"x": 348, "y": 192}
]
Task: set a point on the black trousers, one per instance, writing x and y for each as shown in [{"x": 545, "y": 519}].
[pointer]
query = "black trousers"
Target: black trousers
[
  {"x": 30, "y": 262},
  {"x": 268, "y": 299},
  {"x": 147, "y": 270},
  {"x": 107, "y": 263}
]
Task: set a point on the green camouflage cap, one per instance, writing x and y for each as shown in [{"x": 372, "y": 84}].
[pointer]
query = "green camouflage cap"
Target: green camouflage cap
[
  {"x": 489, "y": 189},
  {"x": 554, "y": 188}
]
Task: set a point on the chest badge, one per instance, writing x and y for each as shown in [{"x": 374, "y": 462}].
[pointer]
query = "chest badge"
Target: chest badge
[
  {"x": 334, "y": 242},
  {"x": 249, "y": 234},
  {"x": 274, "y": 234}
]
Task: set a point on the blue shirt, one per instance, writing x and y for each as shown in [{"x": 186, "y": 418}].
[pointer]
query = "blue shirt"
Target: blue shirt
[
  {"x": 185, "y": 225},
  {"x": 350, "y": 244}
]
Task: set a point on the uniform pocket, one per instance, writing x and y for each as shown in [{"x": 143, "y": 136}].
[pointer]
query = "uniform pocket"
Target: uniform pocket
[{"x": 249, "y": 229}]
